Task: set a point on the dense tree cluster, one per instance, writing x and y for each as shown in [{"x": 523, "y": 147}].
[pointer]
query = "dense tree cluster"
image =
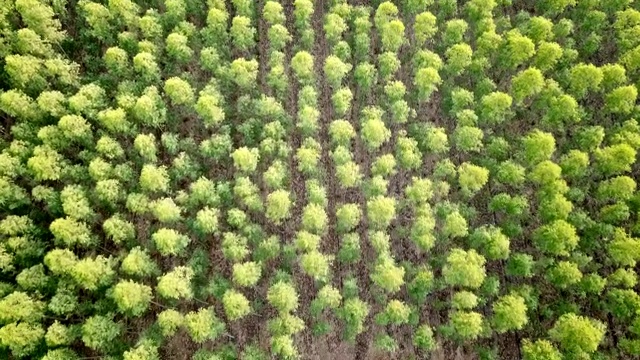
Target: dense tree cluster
[{"x": 248, "y": 179}]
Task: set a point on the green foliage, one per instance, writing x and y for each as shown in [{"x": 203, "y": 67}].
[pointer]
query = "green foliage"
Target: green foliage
[
  {"x": 423, "y": 338},
  {"x": 131, "y": 298},
  {"x": 138, "y": 263},
  {"x": 316, "y": 265},
  {"x": 387, "y": 275},
  {"x": 283, "y": 297},
  {"x": 540, "y": 350},
  {"x": 584, "y": 78},
  {"x": 578, "y": 335},
  {"x": 353, "y": 312},
  {"x": 455, "y": 225},
  {"x": 381, "y": 211},
  {"x": 59, "y": 335},
  {"x": 557, "y": 238},
  {"x": 99, "y": 332},
  {"x": 348, "y": 217},
  {"x": 466, "y": 325},
  {"x": 426, "y": 82},
  {"x": 464, "y": 268},
  {"x": 71, "y": 232},
  {"x": 21, "y": 338},
  {"x": 472, "y": 178},
  {"x": 425, "y": 26},
  {"x": 464, "y": 300},
  {"x": 203, "y": 325},
  {"x": 302, "y": 66},
  {"x": 493, "y": 244},
  {"x": 170, "y": 321},
  {"x": 509, "y": 313},
  {"x": 145, "y": 351},
  {"x": 247, "y": 274},
  {"x": 204, "y": 163},
  {"x": 468, "y": 138},
  {"x": 526, "y": 84},
  {"x": 236, "y": 305},
  {"x": 278, "y": 206},
  {"x": 19, "y": 306},
  {"x": 614, "y": 159},
  {"x": 242, "y": 33},
  {"x": 244, "y": 72},
  {"x": 516, "y": 49},
  {"x": 537, "y": 146},
  {"x": 564, "y": 274},
  {"x": 621, "y": 100},
  {"x": 170, "y": 242},
  {"x": 176, "y": 284},
  {"x": 91, "y": 274}
]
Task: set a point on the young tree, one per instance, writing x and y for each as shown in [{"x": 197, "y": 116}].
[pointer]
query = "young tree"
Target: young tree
[
  {"x": 472, "y": 178},
  {"x": 492, "y": 242},
  {"x": 621, "y": 100},
  {"x": 395, "y": 313},
  {"x": 154, "y": 178},
  {"x": 71, "y": 232},
  {"x": 614, "y": 159},
  {"x": 170, "y": 321},
  {"x": 278, "y": 206},
  {"x": 177, "y": 46},
  {"x": 60, "y": 335},
  {"x": 564, "y": 274},
  {"x": 242, "y": 33},
  {"x": 353, "y": 312},
  {"x": 464, "y": 268},
  {"x": 179, "y": 91},
  {"x": 317, "y": 265},
  {"x": 577, "y": 335},
  {"x": 509, "y": 313},
  {"x": 283, "y": 297},
  {"x": 466, "y": 325},
  {"x": 426, "y": 82},
  {"x": 139, "y": 263},
  {"x": 131, "y": 298},
  {"x": 424, "y": 27},
  {"x": 92, "y": 274},
  {"x": 143, "y": 351},
  {"x": 455, "y": 225},
  {"x": 246, "y": 274},
  {"x": 348, "y": 217},
  {"x": 556, "y": 238},
  {"x": 583, "y": 78},
  {"x": 539, "y": 350},
  {"x": 459, "y": 57},
  {"x": 373, "y": 132},
  {"x": 387, "y": 275},
  {"x": 302, "y": 66},
  {"x": 381, "y": 211},
  {"x": 99, "y": 332},
  {"x": 21, "y": 338},
  {"x": 392, "y": 35},
  {"x": 203, "y": 325},
  {"x": 348, "y": 174},
  {"x": 537, "y": 146},
  {"x": 176, "y": 284},
  {"x": 516, "y": 49},
  {"x": 20, "y": 307},
  {"x": 235, "y": 304},
  {"x": 314, "y": 219},
  {"x": 170, "y": 242},
  {"x": 526, "y": 84},
  {"x": 468, "y": 138}
]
